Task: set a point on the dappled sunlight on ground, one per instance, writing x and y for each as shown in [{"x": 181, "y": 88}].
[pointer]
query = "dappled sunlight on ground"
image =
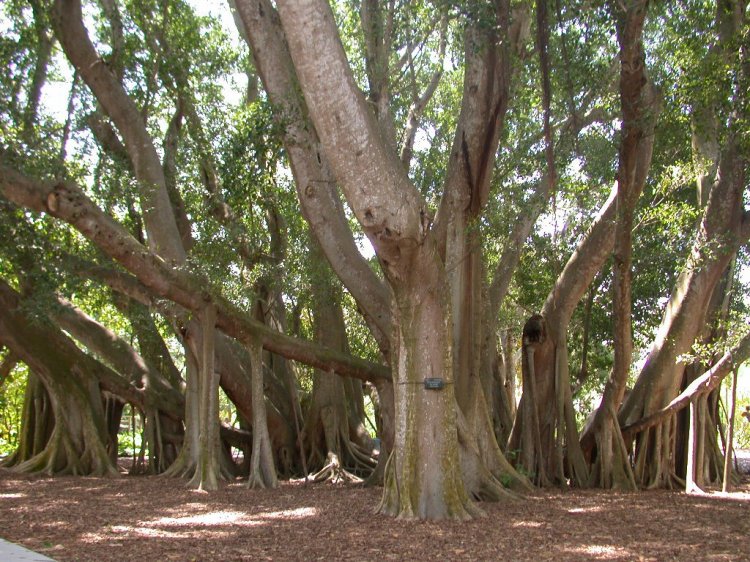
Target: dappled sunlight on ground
[
  {"x": 596, "y": 552},
  {"x": 147, "y": 518},
  {"x": 214, "y": 524},
  {"x": 233, "y": 517},
  {"x": 528, "y": 524},
  {"x": 592, "y": 509}
]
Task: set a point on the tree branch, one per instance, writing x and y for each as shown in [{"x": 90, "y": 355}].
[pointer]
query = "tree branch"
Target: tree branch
[
  {"x": 386, "y": 204},
  {"x": 160, "y": 221},
  {"x": 66, "y": 201},
  {"x": 314, "y": 180},
  {"x": 702, "y": 385}
]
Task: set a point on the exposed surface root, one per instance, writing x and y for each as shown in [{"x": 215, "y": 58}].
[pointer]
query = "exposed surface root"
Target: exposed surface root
[{"x": 333, "y": 472}]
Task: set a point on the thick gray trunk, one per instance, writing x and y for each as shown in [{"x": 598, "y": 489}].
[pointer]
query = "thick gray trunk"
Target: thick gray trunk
[{"x": 423, "y": 479}]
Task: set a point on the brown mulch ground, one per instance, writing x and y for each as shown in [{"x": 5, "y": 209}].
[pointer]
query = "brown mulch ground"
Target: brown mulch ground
[{"x": 148, "y": 518}]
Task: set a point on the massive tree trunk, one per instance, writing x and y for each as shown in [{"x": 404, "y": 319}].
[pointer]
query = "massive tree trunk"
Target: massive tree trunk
[
  {"x": 424, "y": 479},
  {"x": 485, "y": 102}
]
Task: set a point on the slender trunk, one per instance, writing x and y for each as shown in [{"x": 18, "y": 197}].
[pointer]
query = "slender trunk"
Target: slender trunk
[
  {"x": 208, "y": 470},
  {"x": 262, "y": 468},
  {"x": 44, "y": 45},
  {"x": 314, "y": 179},
  {"x": 7, "y": 366},
  {"x": 729, "y": 441},
  {"x": 37, "y": 422},
  {"x": 553, "y": 406},
  {"x": 724, "y": 227},
  {"x": 612, "y": 466},
  {"x": 328, "y": 431},
  {"x": 164, "y": 236},
  {"x": 186, "y": 462},
  {"x": 692, "y": 476}
]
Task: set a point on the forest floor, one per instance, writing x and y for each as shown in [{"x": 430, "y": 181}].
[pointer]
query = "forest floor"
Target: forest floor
[{"x": 150, "y": 518}]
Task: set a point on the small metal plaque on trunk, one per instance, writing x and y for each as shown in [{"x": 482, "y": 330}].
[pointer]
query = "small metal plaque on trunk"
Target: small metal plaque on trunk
[{"x": 434, "y": 384}]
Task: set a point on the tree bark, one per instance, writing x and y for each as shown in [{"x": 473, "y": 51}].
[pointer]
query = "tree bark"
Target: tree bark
[
  {"x": 262, "y": 468},
  {"x": 314, "y": 179},
  {"x": 724, "y": 227},
  {"x": 164, "y": 236},
  {"x": 332, "y": 426},
  {"x": 423, "y": 479},
  {"x": 729, "y": 441},
  {"x": 67, "y": 202},
  {"x": 703, "y": 384},
  {"x": 76, "y": 442},
  {"x": 659, "y": 380},
  {"x": 612, "y": 467},
  {"x": 7, "y": 365},
  {"x": 550, "y": 359},
  {"x": 44, "y": 44},
  {"x": 208, "y": 471}
]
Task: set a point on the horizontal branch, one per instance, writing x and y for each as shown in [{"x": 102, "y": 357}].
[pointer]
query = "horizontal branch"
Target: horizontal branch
[
  {"x": 702, "y": 385},
  {"x": 67, "y": 202}
]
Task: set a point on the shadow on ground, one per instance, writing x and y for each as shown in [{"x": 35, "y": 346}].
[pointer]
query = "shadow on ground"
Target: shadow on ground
[{"x": 150, "y": 518}]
